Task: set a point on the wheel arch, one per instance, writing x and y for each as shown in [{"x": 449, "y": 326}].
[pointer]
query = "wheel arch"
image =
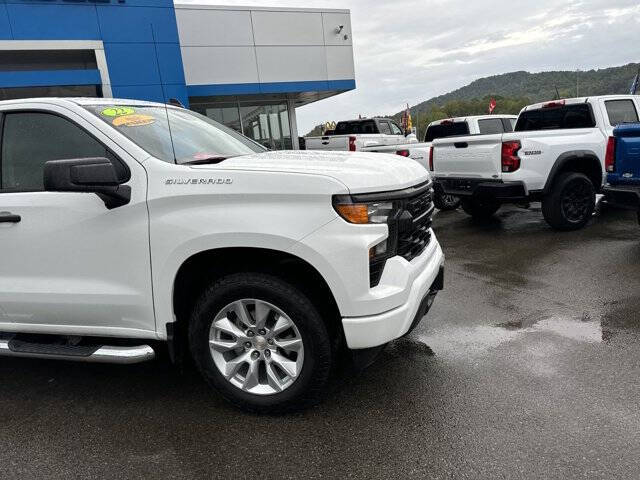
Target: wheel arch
[
  {"x": 581, "y": 161},
  {"x": 202, "y": 268}
]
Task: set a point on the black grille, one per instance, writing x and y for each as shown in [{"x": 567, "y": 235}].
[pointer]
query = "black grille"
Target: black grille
[{"x": 414, "y": 234}]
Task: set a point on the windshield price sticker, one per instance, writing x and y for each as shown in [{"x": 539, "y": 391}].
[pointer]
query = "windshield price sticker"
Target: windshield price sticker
[
  {"x": 117, "y": 111},
  {"x": 134, "y": 120}
]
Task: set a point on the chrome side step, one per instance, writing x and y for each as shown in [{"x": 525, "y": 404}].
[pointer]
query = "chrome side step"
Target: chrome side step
[{"x": 90, "y": 354}]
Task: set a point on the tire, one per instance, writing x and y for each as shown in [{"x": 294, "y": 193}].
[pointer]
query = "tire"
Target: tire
[
  {"x": 445, "y": 202},
  {"x": 571, "y": 202},
  {"x": 259, "y": 392},
  {"x": 480, "y": 209}
]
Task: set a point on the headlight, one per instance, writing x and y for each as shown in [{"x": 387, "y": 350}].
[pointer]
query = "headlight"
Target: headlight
[{"x": 363, "y": 213}]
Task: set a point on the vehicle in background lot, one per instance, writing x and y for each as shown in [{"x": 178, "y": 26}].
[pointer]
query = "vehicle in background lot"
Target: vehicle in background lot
[
  {"x": 449, "y": 127},
  {"x": 623, "y": 167},
  {"x": 555, "y": 155},
  {"x": 126, "y": 225},
  {"x": 356, "y": 135}
]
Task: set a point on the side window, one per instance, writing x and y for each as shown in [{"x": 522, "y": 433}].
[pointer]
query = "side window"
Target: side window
[
  {"x": 30, "y": 139},
  {"x": 621, "y": 111},
  {"x": 508, "y": 124},
  {"x": 385, "y": 128},
  {"x": 490, "y": 126},
  {"x": 395, "y": 129}
]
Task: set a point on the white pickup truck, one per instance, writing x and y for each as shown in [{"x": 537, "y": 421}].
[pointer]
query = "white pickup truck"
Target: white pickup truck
[
  {"x": 556, "y": 155},
  {"x": 449, "y": 127},
  {"x": 127, "y": 227},
  {"x": 356, "y": 135}
]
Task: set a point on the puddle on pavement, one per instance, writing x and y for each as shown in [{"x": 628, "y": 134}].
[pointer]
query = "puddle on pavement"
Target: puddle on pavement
[{"x": 587, "y": 328}]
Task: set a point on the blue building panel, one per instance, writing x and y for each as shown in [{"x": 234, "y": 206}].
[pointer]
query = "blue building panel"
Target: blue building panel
[
  {"x": 138, "y": 24},
  {"x": 48, "y": 78},
  {"x": 53, "y": 22},
  {"x": 132, "y": 63},
  {"x": 5, "y": 26}
]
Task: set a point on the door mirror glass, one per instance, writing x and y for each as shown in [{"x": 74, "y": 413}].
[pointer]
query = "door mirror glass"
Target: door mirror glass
[{"x": 90, "y": 175}]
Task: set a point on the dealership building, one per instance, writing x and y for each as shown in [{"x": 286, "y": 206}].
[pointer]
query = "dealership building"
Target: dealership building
[{"x": 246, "y": 67}]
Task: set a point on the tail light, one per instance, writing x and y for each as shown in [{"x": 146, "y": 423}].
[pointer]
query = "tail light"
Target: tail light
[
  {"x": 403, "y": 153},
  {"x": 431, "y": 158},
  {"x": 555, "y": 103},
  {"x": 610, "y": 158},
  {"x": 510, "y": 159},
  {"x": 352, "y": 144}
]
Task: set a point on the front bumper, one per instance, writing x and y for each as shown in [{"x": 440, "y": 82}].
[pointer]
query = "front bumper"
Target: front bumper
[
  {"x": 495, "y": 190},
  {"x": 375, "y": 330},
  {"x": 623, "y": 196}
]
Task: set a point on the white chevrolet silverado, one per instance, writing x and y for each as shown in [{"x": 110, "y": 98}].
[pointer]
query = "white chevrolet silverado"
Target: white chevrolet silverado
[
  {"x": 127, "y": 226},
  {"x": 448, "y": 127},
  {"x": 556, "y": 155}
]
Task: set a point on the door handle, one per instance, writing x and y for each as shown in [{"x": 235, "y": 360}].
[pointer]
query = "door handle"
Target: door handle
[
  {"x": 8, "y": 217},
  {"x": 461, "y": 144}
]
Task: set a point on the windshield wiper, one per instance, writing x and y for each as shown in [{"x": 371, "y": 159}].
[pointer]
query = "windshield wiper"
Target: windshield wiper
[{"x": 207, "y": 160}]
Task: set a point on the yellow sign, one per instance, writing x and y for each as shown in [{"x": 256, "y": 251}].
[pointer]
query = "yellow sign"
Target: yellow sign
[
  {"x": 135, "y": 120},
  {"x": 117, "y": 111}
]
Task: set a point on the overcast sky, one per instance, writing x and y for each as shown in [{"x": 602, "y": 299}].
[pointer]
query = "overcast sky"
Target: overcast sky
[{"x": 412, "y": 50}]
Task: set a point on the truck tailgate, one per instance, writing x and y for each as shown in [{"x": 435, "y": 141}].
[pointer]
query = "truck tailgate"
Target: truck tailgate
[
  {"x": 332, "y": 142},
  {"x": 468, "y": 157},
  {"x": 627, "y": 166}
]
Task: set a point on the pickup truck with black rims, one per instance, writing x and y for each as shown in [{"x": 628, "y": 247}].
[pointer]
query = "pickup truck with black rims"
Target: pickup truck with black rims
[
  {"x": 129, "y": 228},
  {"x": 356, "y": 135},
  {"x": 623, "y": 168},
  {"x": 555, "y": 155},
  {"x": 448, "y": 127}
]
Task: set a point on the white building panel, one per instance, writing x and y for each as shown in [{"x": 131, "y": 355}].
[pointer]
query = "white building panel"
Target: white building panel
[
  {"x": 219, "y": 65},
  {"x": 291, "y": 64},
  {"x": 340, "y": 63},
  {"x": 333, "y": 34},
  {"x": 212, "y": 27},
  {"x": 287, "y": 28}
]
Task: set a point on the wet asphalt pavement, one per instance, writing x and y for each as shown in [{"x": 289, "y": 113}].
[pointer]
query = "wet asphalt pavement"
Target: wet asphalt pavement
[{"x": 528, "y": 366}]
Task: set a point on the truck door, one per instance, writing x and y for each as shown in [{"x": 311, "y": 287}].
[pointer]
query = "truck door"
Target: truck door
[{"x": 69, "y": 265}]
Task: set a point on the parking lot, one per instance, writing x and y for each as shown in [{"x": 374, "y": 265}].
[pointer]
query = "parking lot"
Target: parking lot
[{"x": 528, "y": 366}]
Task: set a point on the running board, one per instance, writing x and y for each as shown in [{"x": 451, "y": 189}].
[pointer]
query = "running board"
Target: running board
[{"x": 77, "y": 353}]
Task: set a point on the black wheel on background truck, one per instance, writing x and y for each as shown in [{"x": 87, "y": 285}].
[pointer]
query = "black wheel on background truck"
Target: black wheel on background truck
[
  {"x": 571, "y": 202},
  {"x": 480, "y": 209},
  {"x": 261, "y": 343},
  {"x": 445, "y": 202}
]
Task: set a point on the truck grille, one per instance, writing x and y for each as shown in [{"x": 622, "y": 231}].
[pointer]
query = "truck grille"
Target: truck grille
[{"x": 414, "y": 234}]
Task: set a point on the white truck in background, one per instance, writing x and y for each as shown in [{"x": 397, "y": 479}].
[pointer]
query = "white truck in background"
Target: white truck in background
[
  {"x": 555, "y": 155},
  {"x": 449, "y": 127},
  {"x": 357, "y": 135}
]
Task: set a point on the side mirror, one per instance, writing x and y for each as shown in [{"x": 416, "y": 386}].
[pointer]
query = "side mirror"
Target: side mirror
[{"x": 91, "y": 175}]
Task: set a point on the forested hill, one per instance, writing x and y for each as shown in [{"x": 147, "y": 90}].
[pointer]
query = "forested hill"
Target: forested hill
[{"x": 538, "y": 87}]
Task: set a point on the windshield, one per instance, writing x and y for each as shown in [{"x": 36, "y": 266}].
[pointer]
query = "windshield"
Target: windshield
[
  {"x": 446, "y": 129},
  {"x": 196, "y": 138}
]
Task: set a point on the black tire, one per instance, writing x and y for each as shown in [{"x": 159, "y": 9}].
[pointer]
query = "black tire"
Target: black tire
[
  {"x": 306, "y": 390},
  {"x": 445, "y": 202},
  {"x": 480, "y": 209},
  {"x": 571, "y": 202}
]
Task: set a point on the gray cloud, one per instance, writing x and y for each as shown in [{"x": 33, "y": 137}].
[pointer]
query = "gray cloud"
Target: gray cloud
[{"x": 412, "y": 50}]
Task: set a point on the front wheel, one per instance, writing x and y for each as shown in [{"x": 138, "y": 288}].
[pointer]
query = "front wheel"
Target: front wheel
[
  {"x": 445, "y": 202},
  {"x": 261, "y": 343},
  {"x": 480, "y": 209},
  {"x": 571, "y": 202}
]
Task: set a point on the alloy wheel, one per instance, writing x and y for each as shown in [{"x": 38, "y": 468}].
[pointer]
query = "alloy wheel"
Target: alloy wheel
[{"x": 256, "y": 346}]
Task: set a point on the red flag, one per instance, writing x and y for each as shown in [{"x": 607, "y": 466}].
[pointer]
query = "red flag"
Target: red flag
[{"x": 492, "y": 105}]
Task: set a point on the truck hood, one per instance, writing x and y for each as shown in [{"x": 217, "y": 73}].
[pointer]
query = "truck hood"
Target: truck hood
[{"x": 359, "y": 172}]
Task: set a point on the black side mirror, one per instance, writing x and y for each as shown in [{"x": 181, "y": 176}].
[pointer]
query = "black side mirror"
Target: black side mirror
[{"x": 91, "y": 175}]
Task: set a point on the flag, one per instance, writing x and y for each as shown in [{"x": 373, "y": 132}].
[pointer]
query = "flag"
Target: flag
[
  {"x": 408, "y": 123},
  {"x": 634, "y": 85},
  {"x": 492, "y": 105}
]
